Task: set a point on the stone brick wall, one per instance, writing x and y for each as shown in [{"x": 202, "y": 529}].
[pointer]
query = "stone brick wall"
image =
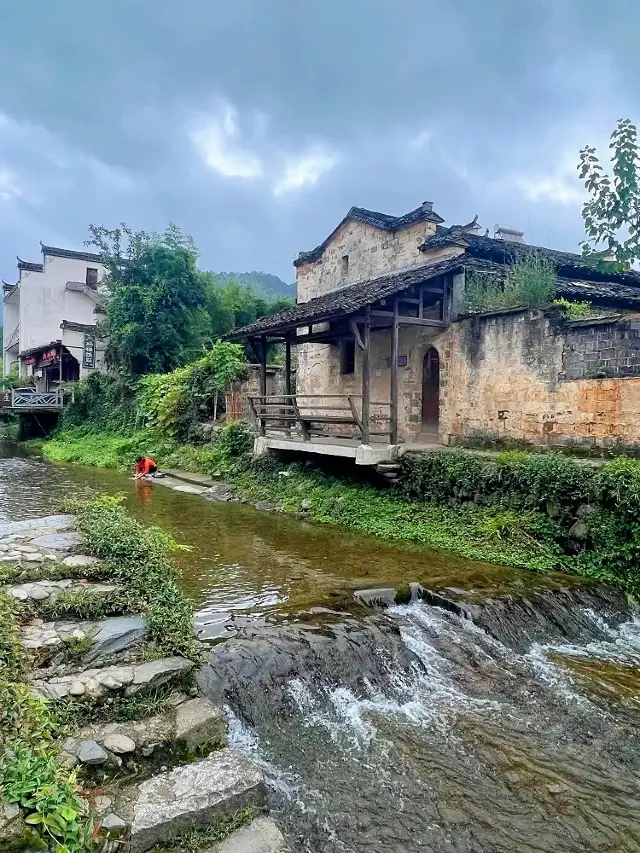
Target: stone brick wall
[
  {"x": 599, "y": 349},
  {"x": 372, "y": 252},
  {"x": 523, "y": 377}
]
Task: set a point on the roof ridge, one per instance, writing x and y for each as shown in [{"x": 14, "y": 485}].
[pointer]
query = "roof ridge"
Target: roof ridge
[
  {"x": 384, "y": 221},
  {"x": 72, "y": 254}
]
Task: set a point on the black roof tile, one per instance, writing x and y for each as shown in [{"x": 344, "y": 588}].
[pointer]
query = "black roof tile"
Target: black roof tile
[{"x": 347, "y": 300}]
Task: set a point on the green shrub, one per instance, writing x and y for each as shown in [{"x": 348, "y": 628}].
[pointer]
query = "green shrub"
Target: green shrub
[{"x": 235, "y": 440}]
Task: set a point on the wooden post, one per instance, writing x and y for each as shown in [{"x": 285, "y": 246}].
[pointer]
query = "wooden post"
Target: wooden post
[
  {"x": 393, "y": 427},
  {"x": 287, "y": 368},
  {"x": 263, "y": 379},
  {"x": 366, "y": 375},
  {"x": 287, "y": 379}
]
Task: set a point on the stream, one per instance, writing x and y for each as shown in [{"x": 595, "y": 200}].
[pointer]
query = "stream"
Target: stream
[{"x": 508, "y": 722}]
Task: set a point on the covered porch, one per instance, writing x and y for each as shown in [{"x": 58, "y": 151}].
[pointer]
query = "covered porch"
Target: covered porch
[{"x": 353, "y": 345}]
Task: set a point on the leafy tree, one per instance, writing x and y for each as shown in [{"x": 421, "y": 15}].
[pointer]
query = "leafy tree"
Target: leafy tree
[
  {"x": 612, "y": 214},
  {"x": 156, "y": 317}
]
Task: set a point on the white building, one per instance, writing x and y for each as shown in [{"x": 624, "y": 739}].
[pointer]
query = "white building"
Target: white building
[{"x": 50, "y": 318}]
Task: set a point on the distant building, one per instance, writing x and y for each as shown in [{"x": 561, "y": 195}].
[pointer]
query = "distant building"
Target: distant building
[{"x": 50, "y": 317}]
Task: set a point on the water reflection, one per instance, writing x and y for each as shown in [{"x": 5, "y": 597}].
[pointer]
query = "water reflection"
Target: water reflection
[{"x": 245, "y": 560}]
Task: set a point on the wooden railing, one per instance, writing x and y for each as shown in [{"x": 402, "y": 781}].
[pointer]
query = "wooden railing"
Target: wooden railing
[{"x": 311, "y": 415}]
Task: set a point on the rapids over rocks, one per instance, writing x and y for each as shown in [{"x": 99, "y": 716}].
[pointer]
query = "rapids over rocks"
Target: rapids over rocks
[{"x": 421, "y": 729}]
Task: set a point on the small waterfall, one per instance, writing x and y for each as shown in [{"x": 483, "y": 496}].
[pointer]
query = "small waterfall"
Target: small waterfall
[{"x": 436, "y": 728}]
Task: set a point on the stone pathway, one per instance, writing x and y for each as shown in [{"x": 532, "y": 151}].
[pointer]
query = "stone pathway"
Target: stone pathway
[
  {"x": 48, "y": 591},
  {"x": 182, "y": 796}
]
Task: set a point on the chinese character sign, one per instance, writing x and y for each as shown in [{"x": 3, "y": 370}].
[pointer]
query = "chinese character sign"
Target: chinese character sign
[{"x": 89, "y": 351}]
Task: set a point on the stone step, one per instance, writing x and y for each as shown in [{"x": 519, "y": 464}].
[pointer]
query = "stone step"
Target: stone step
[
  {"x": 49, "y": 591},
  {"x": 186, "y": 798},
  {"x": 127, "y": 680},
  {"x": 260, "y": 836},
  {"x": 191, "y": 727},
  {"x": 101, "y": 638}
]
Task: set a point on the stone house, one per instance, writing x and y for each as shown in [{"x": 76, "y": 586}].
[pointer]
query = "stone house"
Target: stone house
[
  {"x": 390, "y": 357},
  {"x": 50, "y": 316}
]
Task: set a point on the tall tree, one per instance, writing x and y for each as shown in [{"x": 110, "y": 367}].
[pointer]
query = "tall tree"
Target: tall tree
[
  {"x": 612, "y": 214},
  {"x": 156, "y": 317}
]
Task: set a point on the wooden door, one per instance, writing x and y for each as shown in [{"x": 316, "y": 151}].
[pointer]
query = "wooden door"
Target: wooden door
[{"x": 431, "y": 388}]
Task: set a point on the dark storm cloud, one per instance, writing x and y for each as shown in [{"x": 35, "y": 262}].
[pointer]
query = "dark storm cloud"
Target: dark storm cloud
[{"x": 255, "y": 125}]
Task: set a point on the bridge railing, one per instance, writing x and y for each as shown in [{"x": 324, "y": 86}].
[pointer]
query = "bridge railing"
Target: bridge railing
[{"x": 23, "y": 398}]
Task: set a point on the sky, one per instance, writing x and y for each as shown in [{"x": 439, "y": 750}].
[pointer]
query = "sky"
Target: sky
[{"x": 256, "y": 124}]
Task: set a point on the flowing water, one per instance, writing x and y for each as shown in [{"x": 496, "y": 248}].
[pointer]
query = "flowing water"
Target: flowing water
[{"x": 508, "y": 725}]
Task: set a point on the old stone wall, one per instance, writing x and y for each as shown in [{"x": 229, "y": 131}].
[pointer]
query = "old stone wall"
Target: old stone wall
[
  {"x": 371, "y": 252},
  {"x": 237, "y": 396},
  {"x": 601, "y": 349},
  {"x": 525, "y": 377}
]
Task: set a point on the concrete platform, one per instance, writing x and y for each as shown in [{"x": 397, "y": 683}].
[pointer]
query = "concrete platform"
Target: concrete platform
[{"x": 362, "y": 454}]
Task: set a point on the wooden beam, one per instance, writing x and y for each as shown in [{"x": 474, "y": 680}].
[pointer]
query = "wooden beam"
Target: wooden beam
[
  {"x": 419, "y": 321},
  {"x": 356, "y": 333},
  {"x": 394, "y": 375},
  {"x": 287, "y": 368},
  {"x": 366, "y": 375}
]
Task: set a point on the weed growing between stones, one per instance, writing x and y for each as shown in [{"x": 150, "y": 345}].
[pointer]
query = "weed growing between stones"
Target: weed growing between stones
[
  {"x": 137, "y": 559},
  {"x": 85, "y": 604},
  {"x": 198, "y": 839}
]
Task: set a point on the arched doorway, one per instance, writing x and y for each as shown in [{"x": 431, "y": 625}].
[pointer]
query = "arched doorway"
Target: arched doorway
[{"x": 430, "y": 390}]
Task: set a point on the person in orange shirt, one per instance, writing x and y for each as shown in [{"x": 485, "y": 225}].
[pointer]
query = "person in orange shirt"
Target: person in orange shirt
[{"x": 144, "y": 467}]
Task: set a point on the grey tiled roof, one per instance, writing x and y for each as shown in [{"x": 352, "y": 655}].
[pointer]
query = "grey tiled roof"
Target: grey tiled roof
[
  {"x": 29, "y": 266},
  {"x": 347, "y": 300},
  {"x": 54, "y": 252},
  {"x": 424, "y": 213},
  {"x": 568, "y": 264}
]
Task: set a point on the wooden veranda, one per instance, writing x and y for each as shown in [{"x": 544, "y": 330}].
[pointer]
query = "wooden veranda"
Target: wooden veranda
[{"x": 419, "y": 297}]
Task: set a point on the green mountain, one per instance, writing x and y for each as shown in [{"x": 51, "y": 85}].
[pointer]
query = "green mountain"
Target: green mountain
[{"x": 263, "y": 283}]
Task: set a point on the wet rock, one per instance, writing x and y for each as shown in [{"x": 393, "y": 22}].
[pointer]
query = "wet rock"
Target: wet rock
[
  {"x": 260, "y": 836},
  {"x": 200, "y": 724},
  {"x": 90, "y": 752},
  {"x": 58, "y": 541},
  {"x": 49, "y": 522},
  {"x": 77, "y": 688},
  {"x": 384, "y": 597},
  {"x": 119, "y": 744},
  {"x": 117, "y": 634},
  {"x": 222, "y": 492},
  {"x": 191, "y": 796},
  {"x": 78, "y": 561}
]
